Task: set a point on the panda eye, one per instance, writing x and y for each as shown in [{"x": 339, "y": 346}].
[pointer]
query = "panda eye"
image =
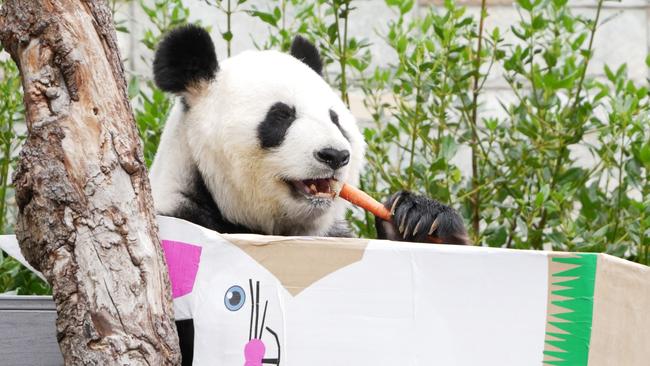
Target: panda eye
[
  {"x": 234, "y": 298},
  {"x": 334, "y": 117},
  {"x": 282, "y": 111}
]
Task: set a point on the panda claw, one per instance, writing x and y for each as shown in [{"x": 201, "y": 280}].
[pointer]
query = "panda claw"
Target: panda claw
[
  {"x": 434, "y": 226},
  {"x": 401, "y": 225},
  {"x": 392, "y": 209},
  {"x": 405, "y": 234},
  {"x": 419, "y": 220},
  {"x": 417, "y": 227}
]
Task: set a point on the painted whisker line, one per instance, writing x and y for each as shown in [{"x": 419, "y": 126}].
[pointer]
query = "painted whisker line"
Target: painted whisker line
[
  {"x": 263, "y": 318},
  {"x": 273, "y": 361},
  {"x": 250, "y": 327},
  {"x": 257, "y": 308}
]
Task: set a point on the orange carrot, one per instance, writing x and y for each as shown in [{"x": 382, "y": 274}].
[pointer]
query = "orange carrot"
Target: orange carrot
[{"x": 362, "y": 199}]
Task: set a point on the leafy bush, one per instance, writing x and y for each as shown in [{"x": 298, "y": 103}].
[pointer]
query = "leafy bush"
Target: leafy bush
[
  {"x": 526, "y": 188},
  {"x": 14, "y": 277},
  {"x": 151, "y": 105}
]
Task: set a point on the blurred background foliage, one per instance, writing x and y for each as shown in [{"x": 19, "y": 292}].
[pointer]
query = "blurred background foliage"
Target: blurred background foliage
[{"x": 526, "y": 188}]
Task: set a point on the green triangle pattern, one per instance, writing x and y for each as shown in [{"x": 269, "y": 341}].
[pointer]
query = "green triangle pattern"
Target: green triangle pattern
[{"x": 578, "y": 291}]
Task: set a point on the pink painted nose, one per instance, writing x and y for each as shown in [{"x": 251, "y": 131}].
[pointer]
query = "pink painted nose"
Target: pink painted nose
[{"x": 254, "y": 352}]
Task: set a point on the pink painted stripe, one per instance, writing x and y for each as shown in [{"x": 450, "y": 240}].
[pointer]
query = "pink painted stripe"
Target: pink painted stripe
[{"x": 183, "y": 263}]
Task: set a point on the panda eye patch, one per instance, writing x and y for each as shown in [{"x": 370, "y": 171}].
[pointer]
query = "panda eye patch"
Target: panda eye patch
[
  {"x": 334, "y": 117},
  {"x": 272, "y": 130},
  {"x": 282, "y": 111}
]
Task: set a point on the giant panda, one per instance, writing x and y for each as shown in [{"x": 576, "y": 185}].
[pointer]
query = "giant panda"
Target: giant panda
[{"x": 254, "y": 143}]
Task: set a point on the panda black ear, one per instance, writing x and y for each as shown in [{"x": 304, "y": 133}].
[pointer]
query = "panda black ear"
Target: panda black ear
[
  {"x": 186, "y": 55},
  {"x": 306, "y": 52}
]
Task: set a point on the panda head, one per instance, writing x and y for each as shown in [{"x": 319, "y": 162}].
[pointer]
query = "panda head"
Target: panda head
[{"x": 268, "y": 134}]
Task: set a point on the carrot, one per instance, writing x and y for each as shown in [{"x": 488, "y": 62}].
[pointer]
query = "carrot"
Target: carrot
[{"x": 362, "y": 199}]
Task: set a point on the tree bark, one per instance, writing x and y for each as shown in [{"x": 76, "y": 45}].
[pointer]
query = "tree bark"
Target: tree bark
[{"x": 86, "y": 217}]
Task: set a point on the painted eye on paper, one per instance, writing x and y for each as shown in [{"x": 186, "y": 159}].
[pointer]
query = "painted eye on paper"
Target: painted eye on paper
[{"x": 235, "y": 298}]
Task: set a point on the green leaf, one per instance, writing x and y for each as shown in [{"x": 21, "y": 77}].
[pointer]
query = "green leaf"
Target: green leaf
[
  {"x": 610, "y": 75},
  {"x": 539, "y": 199},
  {"x": 538, "y": 22},
  {"x": 491, "y": 124},
  {"x": 601, "y": 231},
  {"x": 406, "y": 6},
  {"x": 644, "y": 154},
  {"x": 525, "y": 4},
  {"x": 265, "y": 17},
  {"x": 498, "y": 237},
  {"x": 448, "y": 147},
  {"x": 523, "y": 35},
  {"x": 332, "y": 32}
]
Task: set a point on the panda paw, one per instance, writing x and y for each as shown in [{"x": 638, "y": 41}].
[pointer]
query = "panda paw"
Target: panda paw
[{"x": 420, "y": 219}]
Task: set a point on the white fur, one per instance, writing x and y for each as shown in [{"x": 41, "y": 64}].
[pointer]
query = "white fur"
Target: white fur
[{"x": 219, "y": 132}]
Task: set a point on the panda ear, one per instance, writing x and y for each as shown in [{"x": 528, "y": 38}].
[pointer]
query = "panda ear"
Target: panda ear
[
  {"x": 184, "y": 57},
  {"x": 306, "y": 52}
]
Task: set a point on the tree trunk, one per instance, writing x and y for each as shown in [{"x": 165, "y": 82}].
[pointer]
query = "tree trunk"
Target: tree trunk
[{"x": 86, "y": 216}]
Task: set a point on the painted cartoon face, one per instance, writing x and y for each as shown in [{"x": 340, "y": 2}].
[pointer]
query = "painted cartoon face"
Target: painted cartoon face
[
  {"x": 255, "y": 350},
  {"x": 208, "y": 299}
]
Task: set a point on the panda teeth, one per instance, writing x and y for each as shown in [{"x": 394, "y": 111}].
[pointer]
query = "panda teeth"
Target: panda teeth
[{"x": 316, "y": 188}]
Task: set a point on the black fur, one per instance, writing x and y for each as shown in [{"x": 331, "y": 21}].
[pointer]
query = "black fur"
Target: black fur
[
  {"x": 411, "y": 209},
  {"x": 186, "y": 55},
  {"x": 306, "y": 52},
  {"x": 335, "y": 119},
  {"x": 185, "y": 330},
  {"x": 199, "y": 208},
  {"x": 272, "y": 130}
]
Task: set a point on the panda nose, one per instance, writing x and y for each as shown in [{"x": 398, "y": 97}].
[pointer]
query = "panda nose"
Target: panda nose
[{"x": 333, "y": 158}]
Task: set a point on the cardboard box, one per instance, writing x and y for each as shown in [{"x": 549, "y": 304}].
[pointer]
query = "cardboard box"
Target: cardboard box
[{"x": 329, "y": 301}]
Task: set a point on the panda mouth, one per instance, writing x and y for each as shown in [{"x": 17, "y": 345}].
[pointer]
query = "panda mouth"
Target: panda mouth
[{"x": 315, "y": 188}]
